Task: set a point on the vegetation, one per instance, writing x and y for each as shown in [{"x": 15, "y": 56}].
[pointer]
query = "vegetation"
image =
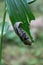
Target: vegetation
[{"x": 26, "y": 55}]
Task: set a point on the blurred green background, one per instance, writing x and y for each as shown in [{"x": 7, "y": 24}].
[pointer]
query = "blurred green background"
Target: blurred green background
[{"x": 14, "y": 51}]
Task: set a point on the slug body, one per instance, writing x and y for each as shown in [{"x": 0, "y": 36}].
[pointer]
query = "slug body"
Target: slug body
[{"x": 21, "y": 33}]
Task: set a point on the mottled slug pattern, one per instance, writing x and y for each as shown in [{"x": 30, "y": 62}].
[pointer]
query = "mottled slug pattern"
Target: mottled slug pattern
[{"x": 21, "y": 33}]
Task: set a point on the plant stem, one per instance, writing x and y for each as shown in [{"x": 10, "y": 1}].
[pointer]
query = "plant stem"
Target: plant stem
[{"x": 1, "y": 41}]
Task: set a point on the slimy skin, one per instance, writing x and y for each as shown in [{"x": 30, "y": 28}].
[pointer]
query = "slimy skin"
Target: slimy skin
[{"x": 21, "y": 33}]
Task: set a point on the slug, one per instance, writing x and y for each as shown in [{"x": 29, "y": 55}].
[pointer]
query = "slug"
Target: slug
[{"x": 21, "y": 33}]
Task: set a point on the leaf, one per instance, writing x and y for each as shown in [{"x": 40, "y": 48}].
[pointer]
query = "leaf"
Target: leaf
[
  {"x": 5, "y": 28},
  {"x": 10, "y": 35},
  {"x": 20, "y": 12},
  {"x": 30, "y": 1}
]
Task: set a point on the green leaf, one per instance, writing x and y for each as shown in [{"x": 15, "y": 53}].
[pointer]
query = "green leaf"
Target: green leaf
[
  {"x": 5, "y": 28},
  {"x": 10, "y": 34},
  {"x": 30, "y": 1},
  {"x": 19, "y": 11}
]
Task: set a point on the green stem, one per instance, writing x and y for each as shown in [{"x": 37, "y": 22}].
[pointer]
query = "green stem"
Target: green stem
[{"x": 1, "y": 41}]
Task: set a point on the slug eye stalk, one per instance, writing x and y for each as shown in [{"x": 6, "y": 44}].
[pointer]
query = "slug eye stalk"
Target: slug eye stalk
[{"x": 22, "y": 34}]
